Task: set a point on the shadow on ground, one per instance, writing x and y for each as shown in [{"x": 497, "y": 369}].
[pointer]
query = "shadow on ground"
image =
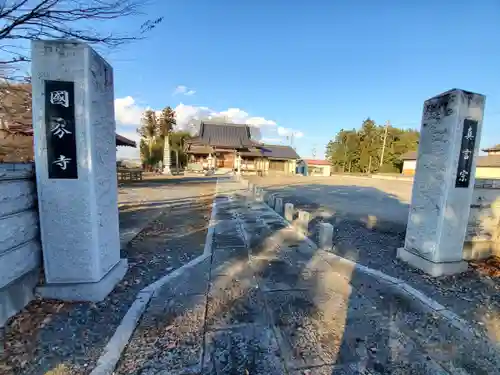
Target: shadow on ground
[
  {"x": 362, "y": 235},
  {"x": 49, "y": 335},
  {"x": 266, "y": 302}
]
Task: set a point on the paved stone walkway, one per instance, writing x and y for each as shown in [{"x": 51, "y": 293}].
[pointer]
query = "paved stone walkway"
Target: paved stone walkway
[{"x": 267, "y": 302}]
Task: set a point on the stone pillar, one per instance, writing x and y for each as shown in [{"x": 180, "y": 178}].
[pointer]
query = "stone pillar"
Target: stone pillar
[
  {"x": 289, "y": 212},
  {"x": 238, "y": 164},
  {"x": 255, "y": 192},
  {"x": 325, "y": 236},
  {"x": 444, "y": 182},
  {"x": 75, "y": 154},
  {"x": 210, "y": 161},
  {"x": 278, "y": 206},
  {"x": 271, "y": 200},
  {"x": 260, "y": 194},
  {"x": 303, "y": 220}
]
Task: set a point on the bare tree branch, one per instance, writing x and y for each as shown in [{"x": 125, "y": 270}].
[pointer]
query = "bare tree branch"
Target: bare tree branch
[{"x": 25, "y": 20}]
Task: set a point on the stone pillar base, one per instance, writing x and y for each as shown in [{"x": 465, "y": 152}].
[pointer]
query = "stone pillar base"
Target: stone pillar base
[
  {"x": 432, "y": 268},
  {"x": 92, "y": 292}
]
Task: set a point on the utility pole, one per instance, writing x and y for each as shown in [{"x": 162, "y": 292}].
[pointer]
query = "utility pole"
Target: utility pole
[{"x": 387, "y": 124}]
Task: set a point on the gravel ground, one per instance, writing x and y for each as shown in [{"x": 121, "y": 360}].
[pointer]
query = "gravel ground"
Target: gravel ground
[
  {"x": 474, "y": 295},
  {"x": 53, "y": 337},
  {"x": 267, "y": 303}
]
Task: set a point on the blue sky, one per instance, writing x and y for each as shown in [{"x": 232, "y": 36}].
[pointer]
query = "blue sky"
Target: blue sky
[{"x": 309, "y": 67}]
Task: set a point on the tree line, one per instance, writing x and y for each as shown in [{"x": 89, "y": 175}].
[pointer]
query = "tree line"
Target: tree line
[
  {"x": 159, "y": 140},
  {"x": 372, "y": 148}
]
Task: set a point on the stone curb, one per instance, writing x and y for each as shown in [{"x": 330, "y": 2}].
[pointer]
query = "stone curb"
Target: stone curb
[
  {"x": 114, "y": 348},
  {"x": 457, "y": 322}
]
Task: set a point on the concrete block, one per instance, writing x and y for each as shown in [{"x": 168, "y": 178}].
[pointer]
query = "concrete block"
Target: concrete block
[
  {"x": 278, "y": 206},
  {"x": 93, "y": 292},
  {"x": 17, "y": 229},
  {"x": 259, "y": 195},
  {"x": 271, "y": 200},
  {"x": 16, "y": 171},
  {"x": 250, "y": 186},
  {"x": 325, "y": 236},
  {"x": 303, "y": 221},
  {"x": 17, "y": 294},
  {"x": 255, "y": 191},
  {"x": 289, "y": 210},
  {"x": 432, "y": 268},
  {"x": 16, "y": 196},
  {"x": 18, "y": 261}
]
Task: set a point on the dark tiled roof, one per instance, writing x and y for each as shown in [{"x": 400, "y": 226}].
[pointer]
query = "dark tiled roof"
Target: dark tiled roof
[
  {"x": 494, "y": 148},
  {"x": 122, "y": 141},
  {"x": 279, "y": 152},
  {"x": 224, "y": 135},
  {"x": 410, "y": 155},
  {"x": 252, "y": 152},
  {"x": 272, "y": 152}
]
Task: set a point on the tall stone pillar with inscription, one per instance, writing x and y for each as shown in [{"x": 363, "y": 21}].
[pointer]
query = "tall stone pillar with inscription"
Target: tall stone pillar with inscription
[
  {"x": 444, "y": 182},
  {"x": 75, "y": 154}
]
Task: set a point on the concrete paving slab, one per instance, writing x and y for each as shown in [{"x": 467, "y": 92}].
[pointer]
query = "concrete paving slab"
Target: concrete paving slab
[
  {"x": 306, "y": 336},
  {"x": 233, "y": 301},
  {"x": 284, "y": 308},
  {"x": 249, "y": 349},
  {"x": 174, "y": 333}
]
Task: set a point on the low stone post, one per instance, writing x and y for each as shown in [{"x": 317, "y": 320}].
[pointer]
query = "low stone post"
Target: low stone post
[
  {"x": 303, "y": 221},
  {"x": 255, "y": 191},
  {"x": 325, "y": 236},
  {"x": 260, "y": 194},
  {"x": 278, "y": 206},
  {"x": 250, "y": 186},
  {"x": 289, "y": 212},
  {"x": 271, "y": 200}
]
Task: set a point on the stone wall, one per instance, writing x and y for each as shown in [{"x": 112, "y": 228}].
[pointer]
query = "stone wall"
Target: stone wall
[
  {"x": 483, "y": 230},
  {"x": 20, "y": 249}
]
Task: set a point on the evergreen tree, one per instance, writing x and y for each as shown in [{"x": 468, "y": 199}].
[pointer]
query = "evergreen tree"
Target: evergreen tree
[
  {"x": 148, "y": 132},
  {"x": 165, "y": 126},
  {"x": 361, "y": 150}
]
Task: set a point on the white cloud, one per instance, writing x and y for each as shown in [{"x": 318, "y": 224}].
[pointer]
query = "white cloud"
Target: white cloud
[
  {"x": 188, "y": 117},
  {"x": 127, "y": 111},
  {"x": 286, "y": 132},
  {"x": 183, "y": 90},
  {"x": 128, "y": 117}
]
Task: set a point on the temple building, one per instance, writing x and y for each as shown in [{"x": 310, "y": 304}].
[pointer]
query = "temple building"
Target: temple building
[{"x": 230, "y": 147}]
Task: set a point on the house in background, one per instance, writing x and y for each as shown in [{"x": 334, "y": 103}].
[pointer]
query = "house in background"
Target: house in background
[
  {"x": 487, "y": 166},
  {"x": 495, "y": 150},
  {"x": 229, "y": 147},
  {"x": 314, "y": 167},
  {"x": 409, "y": 163}
]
